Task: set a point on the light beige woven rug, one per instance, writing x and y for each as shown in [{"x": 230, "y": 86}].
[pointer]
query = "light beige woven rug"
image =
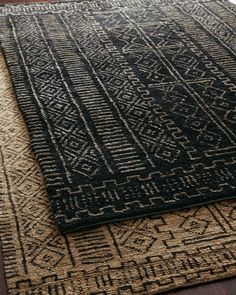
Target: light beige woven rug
[{"x": 142, "y": 256}]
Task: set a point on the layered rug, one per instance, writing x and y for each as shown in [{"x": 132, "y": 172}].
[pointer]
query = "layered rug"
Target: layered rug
[
  {"x": 141, "y": 256},
  {"x": 130, "y": 105}
]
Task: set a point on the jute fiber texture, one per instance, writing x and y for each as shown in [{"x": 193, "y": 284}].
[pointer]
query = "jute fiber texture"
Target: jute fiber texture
[
  {"x": 141, "y": 256},
  {"x": 130, "y": 105}
]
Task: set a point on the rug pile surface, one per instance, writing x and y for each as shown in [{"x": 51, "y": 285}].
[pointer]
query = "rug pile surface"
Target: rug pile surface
[
  {"x": 129, "y": 108},
  {"x": 141, "y": 256},
  {"x": 130, "y": 105}
]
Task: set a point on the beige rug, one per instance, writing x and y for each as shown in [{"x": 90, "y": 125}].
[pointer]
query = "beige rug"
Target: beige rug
[{"x": 142, "y": 256}]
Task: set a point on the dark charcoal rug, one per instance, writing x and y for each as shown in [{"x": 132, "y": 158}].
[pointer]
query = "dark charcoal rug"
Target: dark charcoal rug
[{"x": 130, "y": 105}]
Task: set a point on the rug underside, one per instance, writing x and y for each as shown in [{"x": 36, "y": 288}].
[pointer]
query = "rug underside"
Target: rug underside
[
  {"x": 138, "y": 257},
  {"x": 130, "y": 105}
]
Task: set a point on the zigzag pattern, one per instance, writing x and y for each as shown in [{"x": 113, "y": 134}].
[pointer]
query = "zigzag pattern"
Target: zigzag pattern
[
  {"x": 126, "y": 117},
  {"x": 140, "y": 256}
]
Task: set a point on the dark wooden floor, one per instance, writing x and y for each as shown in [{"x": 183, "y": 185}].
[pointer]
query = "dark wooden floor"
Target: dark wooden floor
[
  {"x": 3, "y": 288},
  {"x": 223, "y": 287}
]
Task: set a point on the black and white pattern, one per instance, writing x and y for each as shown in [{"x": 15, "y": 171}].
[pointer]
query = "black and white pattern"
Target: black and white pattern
[{"x": 130, "y": 105}]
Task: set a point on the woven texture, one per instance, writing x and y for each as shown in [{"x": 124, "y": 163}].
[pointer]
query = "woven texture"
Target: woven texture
[
  {"x": 140, "y": 257},
  {"x": 130, "y": 105}
]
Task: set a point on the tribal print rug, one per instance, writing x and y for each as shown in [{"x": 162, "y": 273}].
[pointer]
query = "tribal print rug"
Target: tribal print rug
[
  {"x": 136, "y": 257},
  {"x": 130, "y": 104}
]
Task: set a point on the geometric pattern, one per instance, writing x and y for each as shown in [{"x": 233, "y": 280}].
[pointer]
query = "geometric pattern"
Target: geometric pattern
[
  {"x": 130, "y": 105},
  {"x": 139, "y": 257}
]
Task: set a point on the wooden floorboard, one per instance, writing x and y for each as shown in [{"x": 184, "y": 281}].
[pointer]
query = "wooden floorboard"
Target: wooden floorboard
[
  {"x": 3, "y": 285},
  {"x": 223, "y": 287}
]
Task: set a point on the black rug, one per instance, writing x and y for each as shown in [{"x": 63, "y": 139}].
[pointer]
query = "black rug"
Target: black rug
[{"x": 130, "y": 104}]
